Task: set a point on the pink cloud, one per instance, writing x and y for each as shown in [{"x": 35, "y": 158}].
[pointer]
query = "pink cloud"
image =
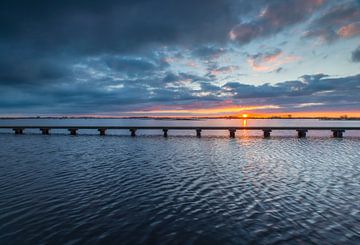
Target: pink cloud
[
  {"x": 270, "y": 62},
  {"x": 349, "y": 30}
]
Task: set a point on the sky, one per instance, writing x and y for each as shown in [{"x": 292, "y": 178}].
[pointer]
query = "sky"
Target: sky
[{"x": 179, "y": 58}]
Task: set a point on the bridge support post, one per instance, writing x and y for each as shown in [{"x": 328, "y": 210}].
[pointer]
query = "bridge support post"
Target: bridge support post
[
  {"x": 165, "y": 131},
  {"x": 18, "y": 130},
  {"x": 232, "y": 132},
  {"x": 198, "y": 133},
  {"x": 133, "y": 132},
  {"x": 267, "y": 133},
  {"x": 45, "y": 131},
  {"x": 338, "y": 133},
  {"x": 301, "y": 133},
  {"x": 73, "y": 131},
  {"x": 102, "y": 131}
]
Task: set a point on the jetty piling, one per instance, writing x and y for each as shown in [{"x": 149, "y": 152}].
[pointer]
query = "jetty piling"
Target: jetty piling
[
  {"x": 73, "y": 131},
  {"x": 232, "y": 132},
  {"x": 338, "y": 133},
  {"x": 198, "y": 132},
  {"x": 133, "y": 132},
  {"x": 165, "y": 131},
  {"x": 18, "y": 130},
  {"x": 267, "y": 133},
  {"x": 102, "y": 131},
  {"x": 301, "y": 133},
  {"x": 45, "y": 131}
]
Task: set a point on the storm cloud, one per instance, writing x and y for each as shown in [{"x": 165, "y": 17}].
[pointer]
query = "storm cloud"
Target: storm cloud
[
  {"x": 82, "y": 57},
  {"x": 114, "y": 26}
]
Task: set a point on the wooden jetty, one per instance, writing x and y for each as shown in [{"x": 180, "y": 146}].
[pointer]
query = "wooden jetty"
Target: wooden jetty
[{"x": 337, "y": 132}]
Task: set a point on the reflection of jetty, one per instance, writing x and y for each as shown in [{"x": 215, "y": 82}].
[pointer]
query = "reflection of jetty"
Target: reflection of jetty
[{"x": 337, "y": 132}]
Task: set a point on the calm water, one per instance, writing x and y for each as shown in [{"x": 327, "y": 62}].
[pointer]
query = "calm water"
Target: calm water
[{"x": 61, "y": 189}]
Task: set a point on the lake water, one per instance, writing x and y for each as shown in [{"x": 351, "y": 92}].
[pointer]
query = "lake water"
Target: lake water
[{"x": 87, "y": 189}]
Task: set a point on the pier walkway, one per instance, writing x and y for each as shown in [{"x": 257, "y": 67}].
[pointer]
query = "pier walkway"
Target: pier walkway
[{"x": 337, "y": 132}]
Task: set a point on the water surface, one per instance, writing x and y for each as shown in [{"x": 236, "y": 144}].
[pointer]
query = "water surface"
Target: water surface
[{"x": 61, "y": 189}]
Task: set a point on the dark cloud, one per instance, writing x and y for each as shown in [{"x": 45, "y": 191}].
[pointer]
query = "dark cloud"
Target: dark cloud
[
  {"x": 109, "y": 95},
  {"x": 134, "y": 66},
  {"x": 20, "y": 66},
  {"x": 334, "y": 92},
  {"x": 26, "y": 72},
  {"x": 129, "y": 64},
  {"x": 274, "y": 17},
  {"x": 113, "y": 26},
  {"x": 208, "y": 52},
  {"x": 95, "y": 44},
  {"x": 355, "y": 55},
  {"x": 175, "y": 78},
  {"x": 208, "y": 87},
  {"x": 340, "y": 21},
  {"x": 306, "y": 86},
  {"x": 105, "y": 56}
]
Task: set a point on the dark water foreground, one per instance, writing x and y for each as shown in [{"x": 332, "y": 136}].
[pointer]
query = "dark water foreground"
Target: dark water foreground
[{"x": 88, "y": 189}]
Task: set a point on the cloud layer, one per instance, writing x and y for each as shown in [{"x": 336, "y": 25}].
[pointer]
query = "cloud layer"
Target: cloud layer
[
  {"x": 116, "y": 57},
  {"x": 274, "y": 17},
  {"x": 339, "y": 21}
]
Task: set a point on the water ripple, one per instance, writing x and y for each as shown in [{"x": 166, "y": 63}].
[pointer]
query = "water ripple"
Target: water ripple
[{"x": 247, "y": 190}]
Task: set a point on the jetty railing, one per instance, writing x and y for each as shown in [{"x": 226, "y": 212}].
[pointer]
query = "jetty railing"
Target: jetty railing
[{"x": 337, "y": 132}]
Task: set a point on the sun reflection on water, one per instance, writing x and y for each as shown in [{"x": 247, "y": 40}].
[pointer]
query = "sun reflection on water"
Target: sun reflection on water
[{"x": 244, "y": 122}]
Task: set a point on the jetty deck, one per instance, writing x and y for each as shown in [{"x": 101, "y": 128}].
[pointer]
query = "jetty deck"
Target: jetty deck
[{"x": 337, "y": 132}]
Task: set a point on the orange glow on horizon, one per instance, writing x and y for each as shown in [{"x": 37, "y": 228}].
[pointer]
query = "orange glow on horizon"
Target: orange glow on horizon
[
  {"x": 207, "y": 111},
  {"x": 231, "y": 111},
  {"x": 315, "y": 114},
  {"x": 236, "y": 111}
]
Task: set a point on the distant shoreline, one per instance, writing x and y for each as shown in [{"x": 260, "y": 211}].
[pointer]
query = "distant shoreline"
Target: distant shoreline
[{"x": 187, "y": 118}]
